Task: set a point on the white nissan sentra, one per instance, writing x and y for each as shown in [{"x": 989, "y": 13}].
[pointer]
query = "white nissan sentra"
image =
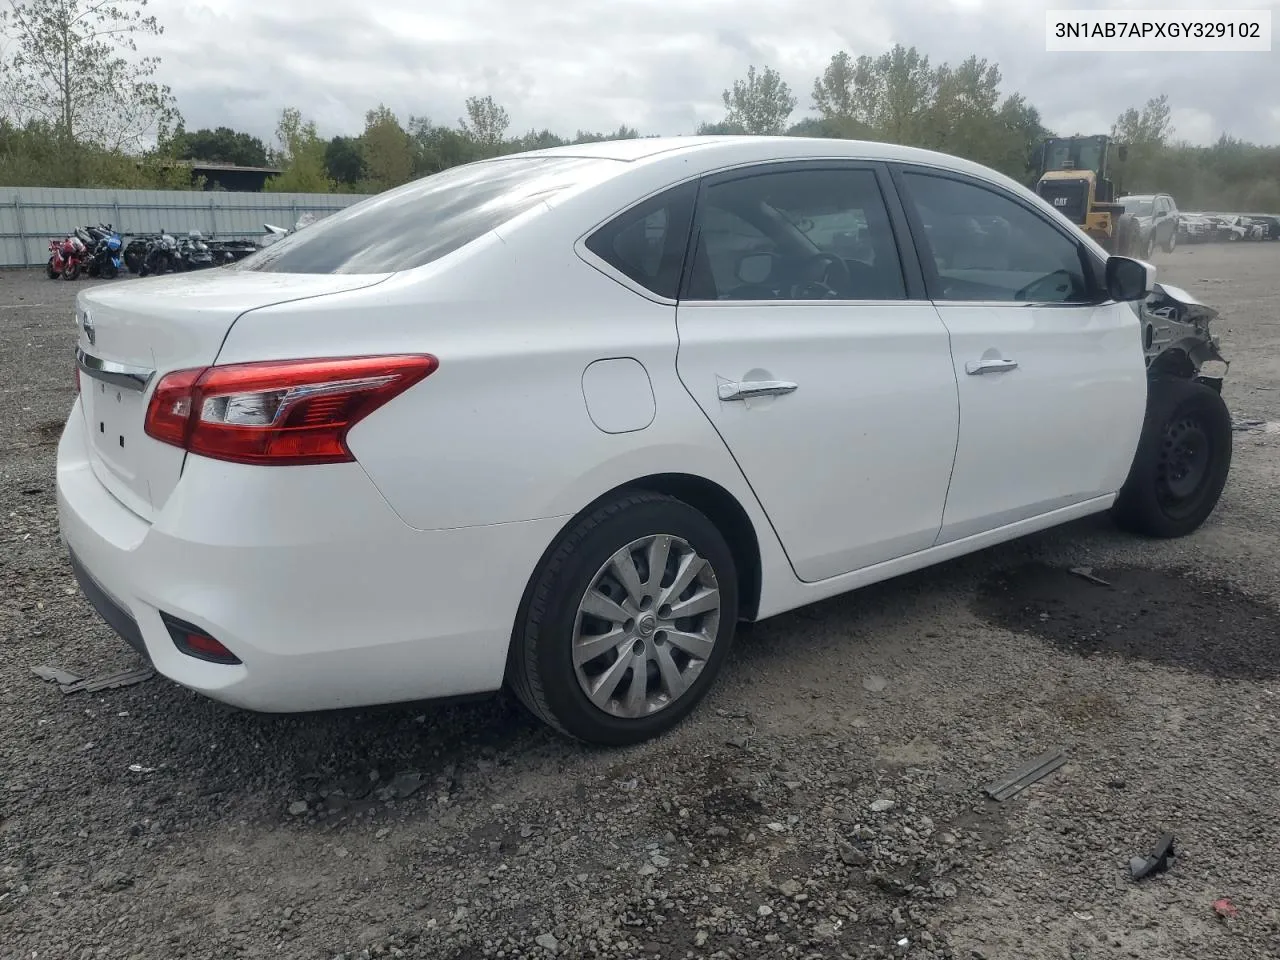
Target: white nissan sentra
[{"x": 561, "y": 420}]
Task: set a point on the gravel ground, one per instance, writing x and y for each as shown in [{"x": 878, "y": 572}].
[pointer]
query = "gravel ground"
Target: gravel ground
[{"x": 825, "y": 802}]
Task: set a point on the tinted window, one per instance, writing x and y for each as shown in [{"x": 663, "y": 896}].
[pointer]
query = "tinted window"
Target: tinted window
[
  {"x": 647, "y": 243},
  {"x": 986, "y": 246},
  {"x": 424, "y": 220},
  {"x": 819, "y": 234}
]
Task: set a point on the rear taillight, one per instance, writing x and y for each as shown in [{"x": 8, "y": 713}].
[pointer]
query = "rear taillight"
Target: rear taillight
[{"x": 278, "y": 412}]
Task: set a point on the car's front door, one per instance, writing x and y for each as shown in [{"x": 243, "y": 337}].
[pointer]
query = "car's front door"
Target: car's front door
[
  {"x": 1051, "y": 373},
  {"x": 819, "y": 361}
]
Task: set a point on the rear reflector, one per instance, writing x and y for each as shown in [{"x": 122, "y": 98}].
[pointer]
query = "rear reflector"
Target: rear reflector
[
  {"x": 278, "y": 412},
  {"x": 194, "y": 642}
]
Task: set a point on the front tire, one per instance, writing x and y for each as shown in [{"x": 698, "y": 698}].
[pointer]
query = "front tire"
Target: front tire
[
  {"x": 1172, "y": 242},
  {"x": 627, "y": 621},
  {"x": 52, "y": 271},
  {"x": 1182, "y": 462}
]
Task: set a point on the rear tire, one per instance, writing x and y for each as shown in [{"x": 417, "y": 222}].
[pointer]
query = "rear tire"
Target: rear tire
[
  {"x": 557, "y": 658},
  {"x": 72, "y": 270},
  {"x": 1182, "y": 461}
]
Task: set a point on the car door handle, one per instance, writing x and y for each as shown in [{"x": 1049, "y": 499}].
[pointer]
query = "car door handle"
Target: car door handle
[
  {"x": 977, "y": 367},
  {"x": 747, "y": 389}
]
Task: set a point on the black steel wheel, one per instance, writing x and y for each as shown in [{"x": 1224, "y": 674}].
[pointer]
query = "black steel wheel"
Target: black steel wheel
[{"x": 1182, "y": 461}]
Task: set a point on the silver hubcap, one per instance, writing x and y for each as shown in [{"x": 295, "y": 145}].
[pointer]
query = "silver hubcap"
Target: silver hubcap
[{"x": 646, "y": 626}]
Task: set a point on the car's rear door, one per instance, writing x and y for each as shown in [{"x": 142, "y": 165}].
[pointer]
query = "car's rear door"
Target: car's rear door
[
  {"x": 806, "y": 339},
  {"x": 1051, "y": 374}
]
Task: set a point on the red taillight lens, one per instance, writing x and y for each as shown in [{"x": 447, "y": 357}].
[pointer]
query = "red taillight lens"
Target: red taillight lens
[{"x": 278, "y": 412}]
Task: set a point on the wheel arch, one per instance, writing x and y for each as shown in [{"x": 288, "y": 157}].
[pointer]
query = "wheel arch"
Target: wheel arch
[
  {"x": 720, "y": 506},
  {"x": 1184, "y": 361}
]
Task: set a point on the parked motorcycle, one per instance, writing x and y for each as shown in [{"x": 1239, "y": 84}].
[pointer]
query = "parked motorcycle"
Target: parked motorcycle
[
  {"x": 229, "y": 251},
  {"x": 193, "y": 252},
  {"x": 161, "y": 255},
  {"x": 104, "y": 258},
  {"x": 66, "y": 257}
]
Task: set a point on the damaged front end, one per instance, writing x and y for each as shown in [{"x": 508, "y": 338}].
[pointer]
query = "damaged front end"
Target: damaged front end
[{"x": 1176, "y": 337}]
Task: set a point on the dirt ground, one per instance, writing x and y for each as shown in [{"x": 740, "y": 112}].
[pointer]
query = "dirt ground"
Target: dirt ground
[{"x": 825, "y": 802}]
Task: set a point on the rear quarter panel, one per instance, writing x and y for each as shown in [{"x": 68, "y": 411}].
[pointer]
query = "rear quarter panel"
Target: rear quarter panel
[{"x": 500, "y": 432}]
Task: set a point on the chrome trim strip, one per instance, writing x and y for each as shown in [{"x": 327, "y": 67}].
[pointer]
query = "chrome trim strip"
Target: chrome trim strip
[{"x": 116, "y": 374}]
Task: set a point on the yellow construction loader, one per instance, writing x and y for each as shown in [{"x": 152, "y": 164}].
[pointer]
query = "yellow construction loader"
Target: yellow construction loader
[{"x": 1073, "y": 178}]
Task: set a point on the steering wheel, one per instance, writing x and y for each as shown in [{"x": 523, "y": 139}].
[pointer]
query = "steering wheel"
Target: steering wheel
[
  {"x": 1059, "y": 282},
  {"x": 824, "y": 285}
]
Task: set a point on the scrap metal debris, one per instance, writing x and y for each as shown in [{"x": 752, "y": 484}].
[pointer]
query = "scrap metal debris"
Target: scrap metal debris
[
  {"x": 61, "y": 677},
  {"x": 1225, "y": 909},
  {"x": 1026, "y": 775},
  {"x": 1162, "y": 857},
  {"x": 70, "y": 683},
  {"x": 1086, "y": 573}
]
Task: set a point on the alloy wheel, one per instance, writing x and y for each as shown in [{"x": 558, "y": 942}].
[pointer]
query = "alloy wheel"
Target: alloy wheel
[{"x": 646, "y": 626}]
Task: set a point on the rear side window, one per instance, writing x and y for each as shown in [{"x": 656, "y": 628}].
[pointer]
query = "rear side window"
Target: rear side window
[
  {"x": 424, "y": 220},
  {"x": 647, "y": 243}
]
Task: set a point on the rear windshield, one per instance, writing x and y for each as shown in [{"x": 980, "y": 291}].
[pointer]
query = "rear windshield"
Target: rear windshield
[{"x": 424, "y": 220}]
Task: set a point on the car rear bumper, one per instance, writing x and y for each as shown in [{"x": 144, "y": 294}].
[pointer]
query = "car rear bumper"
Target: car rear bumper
[{"x": 306, "y": 575}]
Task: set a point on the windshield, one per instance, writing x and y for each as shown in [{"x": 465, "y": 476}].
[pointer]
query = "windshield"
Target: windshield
[
  {"x": 426, "y": 219},
  {"x": 1073, "y": 155},
  {"x": 1139, "y": 208}
]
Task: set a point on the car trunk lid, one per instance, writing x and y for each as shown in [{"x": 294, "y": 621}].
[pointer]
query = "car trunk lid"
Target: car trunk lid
[{"x": 131, "y": 334}]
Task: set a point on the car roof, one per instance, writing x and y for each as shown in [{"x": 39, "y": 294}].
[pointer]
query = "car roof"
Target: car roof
[
  {"x": 708, "y": 153},
  {"x": 727, "y": 148}
]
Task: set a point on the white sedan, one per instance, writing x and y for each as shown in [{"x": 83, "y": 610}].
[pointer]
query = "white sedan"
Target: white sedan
[{"x": 563, "y": 419}]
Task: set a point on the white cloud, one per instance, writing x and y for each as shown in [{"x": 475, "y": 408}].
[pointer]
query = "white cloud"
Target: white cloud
[{"x": 659, "y": 65}]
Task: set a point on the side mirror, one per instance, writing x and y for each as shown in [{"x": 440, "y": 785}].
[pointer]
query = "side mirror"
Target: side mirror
[
  {"x": 754, "y": 268},
  {"x": 1129, "y": 279}
]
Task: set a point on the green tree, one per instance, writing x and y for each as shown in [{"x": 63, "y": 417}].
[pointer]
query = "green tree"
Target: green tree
[
  {"x": 1150, "y": 126},
  {"x": 485, "y": 123},
  {"x": 221, "y": 145},
  {"x": 437, "y": 148},
  {"x": 73, "y": 66},
  {"x": 622, "y": 133},
  {"x": 387, "y": 150},
  {"x": 1145, "y": 134},
  {"x": 722, "y": 128},
  {"x": 344, "y": 160},
  {"x": 539, "y": 140},
  {"x": 760, "y": 103},
  {"x": 301, "y": 155}
]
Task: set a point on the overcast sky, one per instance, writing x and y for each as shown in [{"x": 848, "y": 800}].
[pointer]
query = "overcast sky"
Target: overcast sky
[{"x": 660, "y": 65}]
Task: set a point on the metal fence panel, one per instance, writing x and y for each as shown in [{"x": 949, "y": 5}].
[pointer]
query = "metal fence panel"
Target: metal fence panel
[{"x": 31, "y": 216}]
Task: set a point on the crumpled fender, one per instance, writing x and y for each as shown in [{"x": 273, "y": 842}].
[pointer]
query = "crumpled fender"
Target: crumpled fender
[{"x": 1175, "y": 321}]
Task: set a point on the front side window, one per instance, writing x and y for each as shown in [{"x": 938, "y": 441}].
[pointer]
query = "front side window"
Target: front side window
[
  {"x": 986, "y": 246},
  {"x": 817, "y": 234},
  {"x": 422, "y": 221}
]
